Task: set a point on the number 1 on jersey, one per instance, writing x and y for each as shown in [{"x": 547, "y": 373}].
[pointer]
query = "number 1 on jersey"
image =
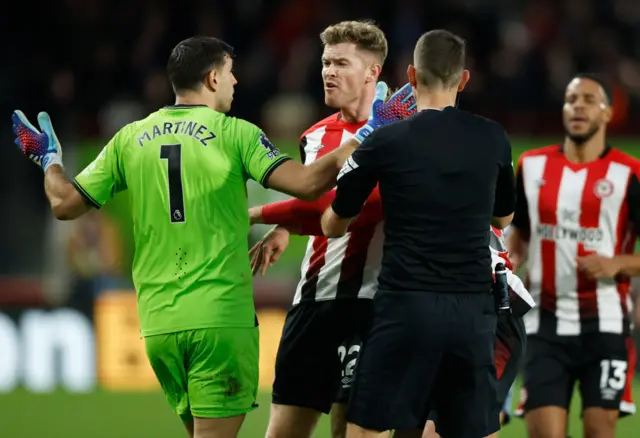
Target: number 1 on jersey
[{"x": 173, "y": 154}]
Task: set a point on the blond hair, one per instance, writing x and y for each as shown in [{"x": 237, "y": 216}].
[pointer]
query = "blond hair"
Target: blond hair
[{"x": 364, "y": 34}]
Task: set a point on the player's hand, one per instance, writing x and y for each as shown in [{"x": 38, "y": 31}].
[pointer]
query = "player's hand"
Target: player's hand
[
  {"x": 597, "y": 266},
  {"x": 40, "y": 146},
  {"x": 399, "y": 106},
  {"x": 268, "y": 250}
]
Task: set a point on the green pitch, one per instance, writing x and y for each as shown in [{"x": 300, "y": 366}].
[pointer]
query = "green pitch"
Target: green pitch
[{"x": 147, "y": 415}]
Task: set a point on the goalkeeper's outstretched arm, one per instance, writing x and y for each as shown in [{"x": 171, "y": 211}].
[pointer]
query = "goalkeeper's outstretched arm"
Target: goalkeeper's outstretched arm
[
  {"x": 65, "y": 200},
  {"x": 312, "y": 181},
  {"x": 43, "y": 148}
]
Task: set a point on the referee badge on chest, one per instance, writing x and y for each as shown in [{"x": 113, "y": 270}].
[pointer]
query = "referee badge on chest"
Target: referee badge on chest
[{"x": 603, "y": 188}]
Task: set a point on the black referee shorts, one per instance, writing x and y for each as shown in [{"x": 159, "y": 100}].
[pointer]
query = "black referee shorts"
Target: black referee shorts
[
  {"x": 428, "y": 350},
  {"x": 511, "y": 341}
]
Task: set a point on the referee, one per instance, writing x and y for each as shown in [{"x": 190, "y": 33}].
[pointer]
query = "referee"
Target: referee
[{"x": 445, "y": 176}]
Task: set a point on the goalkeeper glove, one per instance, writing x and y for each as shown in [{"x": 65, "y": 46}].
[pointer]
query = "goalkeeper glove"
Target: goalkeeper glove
[
  {"x": 399, "y": 106},
  {"x": 43, "y": 148}
]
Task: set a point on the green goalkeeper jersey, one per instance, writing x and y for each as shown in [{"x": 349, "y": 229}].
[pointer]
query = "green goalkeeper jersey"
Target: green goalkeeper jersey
[{"x": 185, "y": 169}]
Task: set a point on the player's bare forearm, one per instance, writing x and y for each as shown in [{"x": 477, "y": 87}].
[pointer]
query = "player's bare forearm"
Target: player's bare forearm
[
  {"x": 517, "y": 246},
  {"x": 322, "y": 173},
  {"x": 333, "y": 225},
  {"x": 344, "y": 151},
  {"x": 629, "y": 265},
  {"x": 66, "y": 203},
  {"x": 310, "y": 182},
  {"x": 320, "y": 176},
  {"x": 501, "y": 222}
]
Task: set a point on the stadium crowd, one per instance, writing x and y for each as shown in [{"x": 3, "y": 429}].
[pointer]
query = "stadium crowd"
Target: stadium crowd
[{"x": 93, "y": 77}]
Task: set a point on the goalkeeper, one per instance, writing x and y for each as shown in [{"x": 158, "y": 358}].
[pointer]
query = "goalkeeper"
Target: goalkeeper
[{"x": 185, "y": 169}]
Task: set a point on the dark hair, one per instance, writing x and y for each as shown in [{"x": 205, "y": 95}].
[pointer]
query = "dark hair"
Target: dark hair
[
  {"x": 600, "y": 80},
  {"x": 439, "y": 58},
  {"x": 193, "y": 58}
]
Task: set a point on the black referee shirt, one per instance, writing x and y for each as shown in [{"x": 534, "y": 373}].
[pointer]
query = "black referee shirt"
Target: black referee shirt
[{"x": 443, "y": 174}]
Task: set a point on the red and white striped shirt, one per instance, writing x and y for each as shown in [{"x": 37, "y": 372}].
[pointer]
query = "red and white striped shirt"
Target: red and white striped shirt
[
  {"x": 569, "y": 210},
  {"x": 305, "y": 217},
  {"x": 344, "y": 267}
]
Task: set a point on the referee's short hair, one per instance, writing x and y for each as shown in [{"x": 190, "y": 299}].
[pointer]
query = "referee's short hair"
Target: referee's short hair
[{"x": 439, "y": 59}]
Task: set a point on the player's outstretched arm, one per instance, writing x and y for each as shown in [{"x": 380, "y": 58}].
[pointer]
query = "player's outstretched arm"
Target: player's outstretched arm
[
  {"x": 302, "y": 216},
  {"x": 43, "y": 148},
  {"x": 305, "y": 217},
  {"x": 66, "y": 202},
  {"x": 310, "y": 182}
]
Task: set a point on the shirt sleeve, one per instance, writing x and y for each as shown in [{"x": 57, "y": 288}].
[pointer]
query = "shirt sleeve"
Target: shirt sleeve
[
  {"x": 259, "y": 156},
  {"x": 521, "y": 217},
  {"x": 371, "y": 213},
  {"x": 303, "y": 215},
  {"x": 104, "y": 177},
  {"x": 505, "y": 196},
  {"x": 358, "y": 177},
  {"x": 633, "y": 201},
  {"x": 306, "y": 216}
]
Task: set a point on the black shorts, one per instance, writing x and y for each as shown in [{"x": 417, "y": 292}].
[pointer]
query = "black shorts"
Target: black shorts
[
  {"x": 424, "y": 350},
  {"x": 318, "y": 351},
  {"x": 511, "y": 341},
  {"x": 598, "y": 361}
]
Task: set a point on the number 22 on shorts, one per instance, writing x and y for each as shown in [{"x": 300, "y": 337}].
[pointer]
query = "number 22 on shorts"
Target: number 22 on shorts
[{"x": 352, "y": 354}]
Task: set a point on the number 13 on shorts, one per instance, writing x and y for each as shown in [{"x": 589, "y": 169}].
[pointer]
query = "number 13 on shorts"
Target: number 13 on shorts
[{"x": 613, "y": 377}]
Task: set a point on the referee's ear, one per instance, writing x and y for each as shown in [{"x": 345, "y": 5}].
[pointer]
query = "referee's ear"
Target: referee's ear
[
  {"x": 464, "y": 79},
  {"x": 411, "y": 73}
]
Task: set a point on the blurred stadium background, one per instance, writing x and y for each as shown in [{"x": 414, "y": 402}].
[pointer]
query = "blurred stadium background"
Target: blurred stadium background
[{"x": 71, "y": 362}]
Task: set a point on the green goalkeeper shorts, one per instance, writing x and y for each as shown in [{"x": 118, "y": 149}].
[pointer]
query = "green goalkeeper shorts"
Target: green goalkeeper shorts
[{"x": 207, "y": 373}]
